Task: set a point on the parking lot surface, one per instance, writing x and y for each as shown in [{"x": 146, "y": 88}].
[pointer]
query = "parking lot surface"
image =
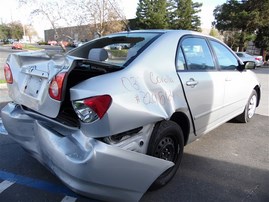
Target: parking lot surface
[{"x": 228, "y": 164}]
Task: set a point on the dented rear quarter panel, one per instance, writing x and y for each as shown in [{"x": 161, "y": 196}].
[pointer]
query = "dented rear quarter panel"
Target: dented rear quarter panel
[{"x": 146, "y": 91}]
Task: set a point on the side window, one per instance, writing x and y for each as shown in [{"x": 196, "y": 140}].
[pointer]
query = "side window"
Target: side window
[
  {"x": 227, "y": 61},
  {"x": 197, "y": 54}
]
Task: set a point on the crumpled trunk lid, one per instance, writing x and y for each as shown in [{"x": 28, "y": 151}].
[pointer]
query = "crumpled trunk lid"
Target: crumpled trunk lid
[{"x": 32, "y": 73}]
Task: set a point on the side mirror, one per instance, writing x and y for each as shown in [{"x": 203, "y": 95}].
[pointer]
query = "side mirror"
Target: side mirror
[
  {"x": 250, "y": 65},
  {"x": 246, "y": 65}
]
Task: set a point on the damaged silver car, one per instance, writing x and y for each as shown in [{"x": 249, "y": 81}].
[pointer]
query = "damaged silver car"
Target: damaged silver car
[{"x": 112, "y": 122}]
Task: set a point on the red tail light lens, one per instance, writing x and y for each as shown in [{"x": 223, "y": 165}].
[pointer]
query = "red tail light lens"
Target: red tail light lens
[
  {"x": 92, "y": 109},
  {"x": 8, "y": 74},
  {"x": 258, "y": 59},
  {"x": 56, "y": 86},
  {"x": 99, "y": 104}
]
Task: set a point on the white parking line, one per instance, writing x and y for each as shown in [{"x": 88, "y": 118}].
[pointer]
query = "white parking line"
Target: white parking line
[
  {"x": 2, "y": 128},
  {"x": 4, "y": 185},
  {"x": 68, "y": 199}
]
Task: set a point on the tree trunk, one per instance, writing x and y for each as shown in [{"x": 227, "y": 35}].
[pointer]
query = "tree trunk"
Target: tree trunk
[{"x": 242, "y": 41}]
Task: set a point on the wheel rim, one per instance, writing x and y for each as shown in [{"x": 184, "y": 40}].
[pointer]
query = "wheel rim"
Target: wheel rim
[
  {"x": 252, "y": 106},
  {"x": 167, "y": 149}
]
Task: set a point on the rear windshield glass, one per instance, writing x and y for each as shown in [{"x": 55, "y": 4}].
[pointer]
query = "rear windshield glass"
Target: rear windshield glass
[{"x": 117, "y": 49}]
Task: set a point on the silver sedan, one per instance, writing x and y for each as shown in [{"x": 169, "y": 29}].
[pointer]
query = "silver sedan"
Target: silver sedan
[{"x": 112, "y": 123}]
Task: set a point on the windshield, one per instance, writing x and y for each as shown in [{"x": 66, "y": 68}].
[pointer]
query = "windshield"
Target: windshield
[{"x": 117, "y": 49}]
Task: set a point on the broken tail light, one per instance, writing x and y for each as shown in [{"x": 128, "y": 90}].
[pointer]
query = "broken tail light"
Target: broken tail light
[
  {"x": 8, "y": 74},
  {"x": 92, "y": 109},
  {"x": 56, "y": 86}
]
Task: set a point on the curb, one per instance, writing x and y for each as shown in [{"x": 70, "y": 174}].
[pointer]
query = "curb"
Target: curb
[{"x": 3, "y": 86}]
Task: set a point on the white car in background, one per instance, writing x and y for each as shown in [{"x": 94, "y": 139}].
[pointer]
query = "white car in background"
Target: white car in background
[{"x": 247, "y": 57}]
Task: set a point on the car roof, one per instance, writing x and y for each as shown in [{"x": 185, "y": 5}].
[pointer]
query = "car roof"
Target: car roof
[
  {"x": 179, "y": 33},
  {"x": 162, "y": 31}
]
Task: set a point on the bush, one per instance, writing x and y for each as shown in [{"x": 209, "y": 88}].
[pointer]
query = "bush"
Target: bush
[
  {"x": 118, "y": 53},
  {"x": 42, "y": 43}
]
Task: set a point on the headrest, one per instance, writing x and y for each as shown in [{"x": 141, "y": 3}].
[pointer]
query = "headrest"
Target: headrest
[
  {"x": 131, "y": 52},
  {"x": 98, "y": 54}
]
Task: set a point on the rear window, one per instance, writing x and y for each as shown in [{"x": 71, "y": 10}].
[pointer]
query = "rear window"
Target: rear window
[{"x": 117, "y": 49}]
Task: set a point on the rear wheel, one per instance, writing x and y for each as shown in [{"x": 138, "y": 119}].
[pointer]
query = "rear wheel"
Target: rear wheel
[
  {"x": 166, "y": 143},
  {"x": 249, "y": 109}
]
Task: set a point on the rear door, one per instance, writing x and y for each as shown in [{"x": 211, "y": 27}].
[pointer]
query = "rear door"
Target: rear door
[
  {"x": 236, "y": 90},
  {"x": 202, "y": 82}
]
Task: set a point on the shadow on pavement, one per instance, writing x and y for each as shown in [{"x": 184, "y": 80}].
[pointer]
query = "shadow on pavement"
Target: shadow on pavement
[
  {"x": 204, "y": 179},
  {"x": 228, "y": 164}
]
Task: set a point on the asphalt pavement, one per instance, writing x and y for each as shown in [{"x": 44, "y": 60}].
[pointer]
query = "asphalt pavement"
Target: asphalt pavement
[{"x": 228, "y": 164}]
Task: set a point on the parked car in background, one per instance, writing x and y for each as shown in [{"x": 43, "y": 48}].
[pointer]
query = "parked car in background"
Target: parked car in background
[
  {"x": 16, "y": 45},
  {"x": 247, "y": 57},
  {"x": 52, "y": 43},
  {"x": 111, "y": 126}
]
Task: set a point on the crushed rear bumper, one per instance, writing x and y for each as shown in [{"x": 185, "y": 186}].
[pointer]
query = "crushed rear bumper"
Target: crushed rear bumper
[{"x": 86, "y": 165}]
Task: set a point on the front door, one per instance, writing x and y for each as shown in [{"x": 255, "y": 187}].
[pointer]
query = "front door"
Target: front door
[{"x": 202, "y": 82}]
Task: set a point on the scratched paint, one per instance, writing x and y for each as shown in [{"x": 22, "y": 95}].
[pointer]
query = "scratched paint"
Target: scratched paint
[{"x": 159, "y": 96}]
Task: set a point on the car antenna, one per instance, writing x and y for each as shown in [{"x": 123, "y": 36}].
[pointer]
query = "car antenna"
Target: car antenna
[{"x": 123, "y": 18}]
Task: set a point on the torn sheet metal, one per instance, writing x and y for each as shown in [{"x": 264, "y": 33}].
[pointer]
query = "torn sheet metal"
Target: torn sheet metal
[{"x": 84, "y": 164}]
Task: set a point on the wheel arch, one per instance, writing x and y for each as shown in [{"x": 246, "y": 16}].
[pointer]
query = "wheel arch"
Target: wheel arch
[
  {"x": 258, "y": 90},
  {"x": 182, "y": 120}
]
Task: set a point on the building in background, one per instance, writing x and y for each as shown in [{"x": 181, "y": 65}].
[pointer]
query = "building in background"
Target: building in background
[
  {"x": 252, "y": 49},
  {"x": 70, "y": 34}
]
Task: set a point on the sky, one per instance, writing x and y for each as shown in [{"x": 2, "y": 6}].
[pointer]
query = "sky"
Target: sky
[{"x": 9, "y": 11}]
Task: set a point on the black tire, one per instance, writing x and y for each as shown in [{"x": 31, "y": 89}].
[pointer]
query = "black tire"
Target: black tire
[
  {"x": 249, "y": 109},
  {"x": 166, "y": 142}
]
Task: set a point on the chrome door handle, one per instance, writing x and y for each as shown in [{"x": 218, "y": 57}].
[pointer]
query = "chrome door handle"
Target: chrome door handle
[{"x": 192, "y": 83}]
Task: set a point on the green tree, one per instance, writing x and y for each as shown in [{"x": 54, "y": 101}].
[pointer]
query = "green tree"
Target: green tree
[
  {"x": 13, "y": 30},
  {"x": 232, "y": 39},
  {"x": 184, "y": 15},
  {"x": 214, "y": 32},
  {"x": 258, "y": 10},
  {"x": 196, "y": 21},
  {"x": 151, "y": 14},
  {"x": 261, "y": 7},
  {"x": 171, "y": 14},
  {"x": 243, "y": 17},
  {"x": 16, "y": 30},
  {"x": 262, "y": 39},
  {"x": 4, "y": 32}
]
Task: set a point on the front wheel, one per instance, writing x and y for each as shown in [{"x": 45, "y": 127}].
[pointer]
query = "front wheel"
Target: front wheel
[
  {"x": 249, "y": 109},
  {"x": 166, "y": 142}
]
